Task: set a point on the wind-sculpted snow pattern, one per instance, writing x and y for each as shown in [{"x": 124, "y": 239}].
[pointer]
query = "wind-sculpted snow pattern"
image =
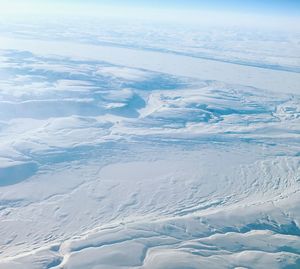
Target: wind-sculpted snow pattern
[{"x": 104, "y": 165}]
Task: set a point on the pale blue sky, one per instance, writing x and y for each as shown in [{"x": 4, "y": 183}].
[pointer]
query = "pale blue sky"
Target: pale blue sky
[
  {"x": 278, "y": 13},
  {"x": 261, "y": 6},
  {"x": 258, "y": 6}
]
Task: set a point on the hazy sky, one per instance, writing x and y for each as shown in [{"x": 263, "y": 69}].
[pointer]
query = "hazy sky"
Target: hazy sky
[
  {"x": 263, "y": 6},
  {"x": 279, "y": 13}
]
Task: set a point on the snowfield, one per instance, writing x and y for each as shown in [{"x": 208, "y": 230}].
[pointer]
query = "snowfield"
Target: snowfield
[{"x": 117, "y": 155}]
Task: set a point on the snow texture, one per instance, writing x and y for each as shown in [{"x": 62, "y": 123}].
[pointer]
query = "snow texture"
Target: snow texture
[{"x": 160, "y": 152}]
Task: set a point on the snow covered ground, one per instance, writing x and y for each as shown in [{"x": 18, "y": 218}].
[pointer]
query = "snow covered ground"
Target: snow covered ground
[{"x": 122, "y": 153}]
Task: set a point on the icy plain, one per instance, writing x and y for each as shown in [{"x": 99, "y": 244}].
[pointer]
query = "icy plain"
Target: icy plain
[{"x": 152, "y": 148}]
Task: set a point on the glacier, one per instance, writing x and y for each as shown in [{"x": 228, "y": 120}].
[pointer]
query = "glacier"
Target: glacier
[{"x": 179, "y": 148}]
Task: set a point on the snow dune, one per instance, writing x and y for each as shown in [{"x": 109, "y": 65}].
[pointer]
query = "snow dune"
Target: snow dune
[{"x": 123, "y": 158}]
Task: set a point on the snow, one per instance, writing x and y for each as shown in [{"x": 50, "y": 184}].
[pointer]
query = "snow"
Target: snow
[
  {"x": 205, "y": 69},
  {"x": 126, "y": 157}
]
